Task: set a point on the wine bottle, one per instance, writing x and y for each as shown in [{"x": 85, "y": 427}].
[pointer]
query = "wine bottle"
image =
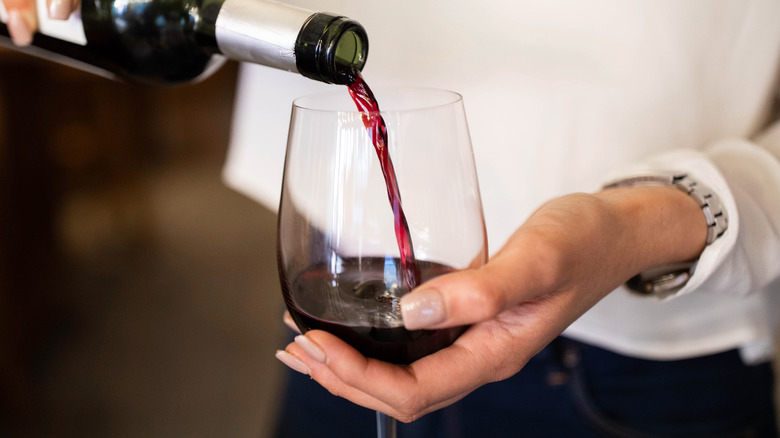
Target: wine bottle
[{"x": 174, "y": 41}]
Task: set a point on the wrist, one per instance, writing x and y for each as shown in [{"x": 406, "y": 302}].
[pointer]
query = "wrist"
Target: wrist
[{"x": 661, "y": 224}]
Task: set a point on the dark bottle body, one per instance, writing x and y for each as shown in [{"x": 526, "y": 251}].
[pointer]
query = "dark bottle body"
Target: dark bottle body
[
  {"x": 153, "y": 40},
  {"x": 175, "y": 41}
]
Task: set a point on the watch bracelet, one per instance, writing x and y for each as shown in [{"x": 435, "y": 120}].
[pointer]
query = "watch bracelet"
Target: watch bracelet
[{"x": 667, "y": 279}]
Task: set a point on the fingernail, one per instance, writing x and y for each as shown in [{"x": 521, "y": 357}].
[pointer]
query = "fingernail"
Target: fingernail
[
  {"x": 292, "y": 362},
  {"x": 422, "y": 309},
  {"x": 59, "y": 9},
  {"x": 20, "y": 32},
  {"x": 311, "y": 348}
]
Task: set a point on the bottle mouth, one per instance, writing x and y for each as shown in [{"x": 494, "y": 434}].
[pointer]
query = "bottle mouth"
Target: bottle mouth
[
  {"x": 351, "y": 51},
  {"x": 331, "y": 49}
]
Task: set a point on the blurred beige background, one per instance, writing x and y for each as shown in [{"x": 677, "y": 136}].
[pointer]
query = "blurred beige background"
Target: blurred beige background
[{"x": 138, "y": 294}]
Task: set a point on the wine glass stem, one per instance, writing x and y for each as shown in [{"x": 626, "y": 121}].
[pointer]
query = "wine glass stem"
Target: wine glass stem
[{"x": 385, "y": 426}]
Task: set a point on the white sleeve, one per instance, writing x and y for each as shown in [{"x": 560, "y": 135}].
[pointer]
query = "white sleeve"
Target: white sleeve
[
  {"x": 752, "y": 171},
  {"x": 746, "y": 176}
]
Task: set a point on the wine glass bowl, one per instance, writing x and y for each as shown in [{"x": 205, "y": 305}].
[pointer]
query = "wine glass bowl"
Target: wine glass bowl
[{"x": 349, "y": 203}]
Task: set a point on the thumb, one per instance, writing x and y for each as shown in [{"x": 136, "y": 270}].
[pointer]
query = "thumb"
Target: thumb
[
  {"x": 471, "y": 295},
  {"x": 61, "y": 9}
]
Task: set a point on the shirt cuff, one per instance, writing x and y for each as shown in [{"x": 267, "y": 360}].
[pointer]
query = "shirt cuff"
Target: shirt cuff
[{"x": 699, "y": 167}]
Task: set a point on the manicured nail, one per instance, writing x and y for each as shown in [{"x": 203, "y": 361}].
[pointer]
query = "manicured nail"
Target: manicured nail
[
  {"x": 422, "y": 309},
  {"x": 59, "y": 9},
  {"x": 311, "y": 348},
  {"x": 20, "y": 31},
  {"x": 292, "y": 362}
]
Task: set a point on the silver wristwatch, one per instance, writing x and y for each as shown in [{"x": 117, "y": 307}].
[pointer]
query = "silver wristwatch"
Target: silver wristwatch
[{"x": 668, "y": 279}]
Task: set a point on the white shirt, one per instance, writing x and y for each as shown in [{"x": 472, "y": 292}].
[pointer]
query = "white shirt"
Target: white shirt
[{"x": 564, "y": 95}]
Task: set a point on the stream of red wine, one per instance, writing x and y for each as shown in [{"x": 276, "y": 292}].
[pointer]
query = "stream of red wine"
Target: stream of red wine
[{"x": 377, "y": 130}]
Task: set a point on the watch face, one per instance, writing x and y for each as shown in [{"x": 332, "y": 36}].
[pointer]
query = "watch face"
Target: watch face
[{"x": 662, "y": 281}]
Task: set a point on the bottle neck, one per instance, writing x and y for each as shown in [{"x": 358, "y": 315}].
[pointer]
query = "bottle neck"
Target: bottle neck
[
  {"x": 331, "y": 49},
  {"x": 261, "y": 32},
  {"x": 319, "y": 46}
]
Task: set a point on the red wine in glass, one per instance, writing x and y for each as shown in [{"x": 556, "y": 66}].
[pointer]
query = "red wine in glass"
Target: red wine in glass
[{"x": 359, "y": 305}]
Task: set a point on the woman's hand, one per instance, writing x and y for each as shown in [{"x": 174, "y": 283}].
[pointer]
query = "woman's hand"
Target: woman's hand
[
  {"x": 22, "y": 20},
  {"x": 567, "y": 256}
]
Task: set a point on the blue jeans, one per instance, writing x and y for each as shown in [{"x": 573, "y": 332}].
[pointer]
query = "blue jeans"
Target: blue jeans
[{"x": 570, "y": 390}]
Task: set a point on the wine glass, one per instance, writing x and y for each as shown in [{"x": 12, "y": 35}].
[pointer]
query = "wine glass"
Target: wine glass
[{"x": 349, "y": 245}]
